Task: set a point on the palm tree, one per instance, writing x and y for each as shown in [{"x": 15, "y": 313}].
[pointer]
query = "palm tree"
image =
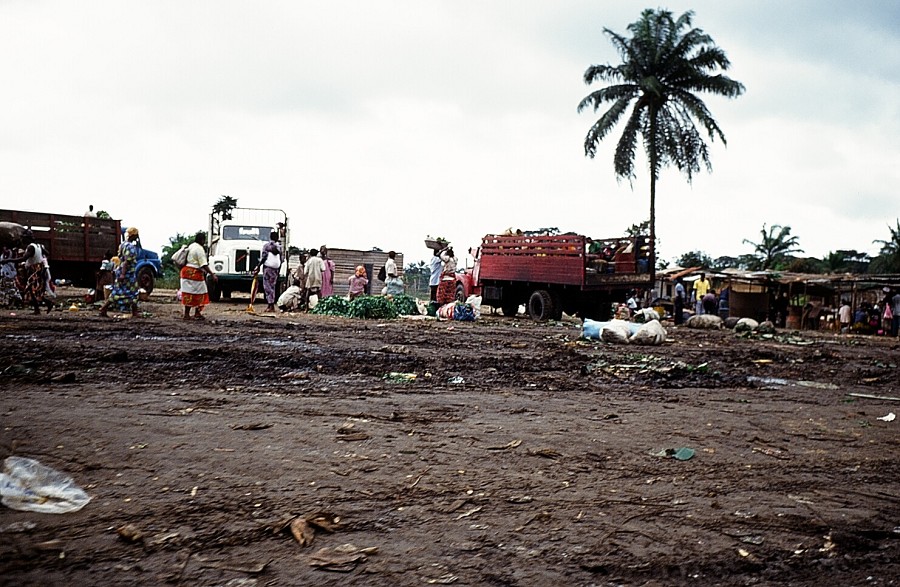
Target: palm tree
[
  {"x": 888, "y": 259},
  {"x": 775, "y": 246},
  {"x": 664, "y": 63}
]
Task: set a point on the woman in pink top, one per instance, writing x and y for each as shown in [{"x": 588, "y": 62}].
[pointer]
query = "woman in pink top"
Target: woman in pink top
[
  {"x": 358, "y": 282},
  {"x": 327, "y": 273}
]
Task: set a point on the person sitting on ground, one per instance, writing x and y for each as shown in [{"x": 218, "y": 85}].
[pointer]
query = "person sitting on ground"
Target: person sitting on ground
[{"x": 358, "y": 282}]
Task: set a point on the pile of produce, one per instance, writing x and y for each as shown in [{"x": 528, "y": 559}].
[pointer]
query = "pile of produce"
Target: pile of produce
[
  {"x": 371, "y": 307},
  {"x": 332, "y": 306},
  {"x": 406, "y": 305}
]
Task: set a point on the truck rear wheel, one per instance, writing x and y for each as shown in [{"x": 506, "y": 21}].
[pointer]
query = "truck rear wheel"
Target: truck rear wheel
[
  {"x": 145, "y": 279},
  {"x": 541, "y": 306},
  {"x": 460, "y": 293}
]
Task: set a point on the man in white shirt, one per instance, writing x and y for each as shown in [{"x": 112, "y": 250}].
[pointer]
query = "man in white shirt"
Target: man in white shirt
[
  {"x": 435, "y": 266},
  {"x": 390, "y": 266},
  {"x": 90, "y": 212}
]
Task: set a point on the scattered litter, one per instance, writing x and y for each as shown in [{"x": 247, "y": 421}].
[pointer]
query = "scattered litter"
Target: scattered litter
[
  {"x": 817, "y": 385},
  {"x": 342, "y": 559},
  {"x": 253, "y": 426},
  {"x": 510, "y": 444},
  {"x": 27, "y": 485},
  {"x": 396, "y": 377},
  {"x": 457, "y": 380},
  {"x": 869, "y": 396},
  {"x": 469, "y": 513},
  {"x": 889, "y": 418},
  {"x": 303, "y": 528},
  {"x": 681, "y": 454},
  {"x": 130, "y": 533}
]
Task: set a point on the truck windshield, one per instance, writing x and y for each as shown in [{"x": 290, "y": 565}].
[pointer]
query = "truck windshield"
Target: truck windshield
[{"x": 246, "y": 233}]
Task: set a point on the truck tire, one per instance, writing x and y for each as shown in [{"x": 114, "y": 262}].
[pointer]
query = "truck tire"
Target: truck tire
[
  {"x": 541, "y": 306},
  {"x": 215, "y": 292},
  {"x": 146, "y": 278},
  {"x": 460, "y": 293}
]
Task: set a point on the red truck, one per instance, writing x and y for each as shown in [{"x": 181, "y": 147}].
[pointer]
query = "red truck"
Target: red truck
[{"x": 552, "y": 274}]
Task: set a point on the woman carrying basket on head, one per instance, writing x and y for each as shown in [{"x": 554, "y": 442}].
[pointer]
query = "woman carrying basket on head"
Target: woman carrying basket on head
[{"x": 446, "y": 291}]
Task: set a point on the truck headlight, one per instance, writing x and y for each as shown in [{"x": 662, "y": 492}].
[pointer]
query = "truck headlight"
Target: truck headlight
[{"x": 218, "y": 266}]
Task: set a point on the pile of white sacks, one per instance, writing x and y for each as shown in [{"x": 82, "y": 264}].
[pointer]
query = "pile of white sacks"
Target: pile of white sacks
[{"x": 623, "y": 332}]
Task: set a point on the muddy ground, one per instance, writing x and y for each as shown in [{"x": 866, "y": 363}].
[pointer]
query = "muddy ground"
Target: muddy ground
[{"x": 517, "y": 455}]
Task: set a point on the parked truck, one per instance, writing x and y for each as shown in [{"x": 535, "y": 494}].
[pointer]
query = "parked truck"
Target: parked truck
[
  {"x": 77, "y": 244},
  {"x": 235, "y": 246},
  {"x": 552, "y": 274}
]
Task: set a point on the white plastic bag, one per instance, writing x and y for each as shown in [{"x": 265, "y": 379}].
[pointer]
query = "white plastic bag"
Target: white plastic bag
[
  {"x": 27, "y": 485},
  {"x": 651, "y": 333}
]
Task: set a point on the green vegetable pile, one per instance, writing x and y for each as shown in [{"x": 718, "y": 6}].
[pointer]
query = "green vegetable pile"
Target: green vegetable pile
[
  {"x": 406, "y": 305},
  {"x": 332, "y": 306},
  {"x": 373, "y": 307},
  {"x": 370, "y": 307}
]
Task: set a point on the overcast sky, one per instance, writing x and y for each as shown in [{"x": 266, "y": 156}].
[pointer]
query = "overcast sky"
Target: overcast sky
[{"x": 374, "y": 124}]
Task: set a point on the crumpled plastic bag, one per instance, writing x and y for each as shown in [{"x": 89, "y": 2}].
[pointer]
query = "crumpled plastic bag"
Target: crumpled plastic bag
[
  {"x": 619, "y": 330},
  {"x": 27, "y": 485},
  {"x": 651, "y": 333}
]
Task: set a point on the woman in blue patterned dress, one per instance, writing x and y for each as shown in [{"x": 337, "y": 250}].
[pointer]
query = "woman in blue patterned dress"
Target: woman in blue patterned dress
[{"x": 125, "y": 290}]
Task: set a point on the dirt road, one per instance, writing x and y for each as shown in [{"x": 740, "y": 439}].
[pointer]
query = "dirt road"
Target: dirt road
[{"x": 500, "y": 452}]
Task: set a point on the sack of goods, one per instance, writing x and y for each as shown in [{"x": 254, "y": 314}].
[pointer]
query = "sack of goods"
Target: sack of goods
[
  {"x": 179, "y": 259},
  {"x": 273, "y": 260}
]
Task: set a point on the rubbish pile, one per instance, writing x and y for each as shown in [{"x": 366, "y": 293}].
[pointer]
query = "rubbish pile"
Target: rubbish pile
[{"x": 622, "y": 332}]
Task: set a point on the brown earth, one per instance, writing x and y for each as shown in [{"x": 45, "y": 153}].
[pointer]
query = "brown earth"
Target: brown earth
[{"x": 518, "y": 455}]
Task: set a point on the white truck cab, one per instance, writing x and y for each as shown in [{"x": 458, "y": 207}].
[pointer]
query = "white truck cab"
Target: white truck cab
[{"x": 235, "y": 246}]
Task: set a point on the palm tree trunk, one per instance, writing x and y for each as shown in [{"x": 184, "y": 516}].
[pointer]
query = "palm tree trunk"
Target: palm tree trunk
[{"x": 654, "y": 164}]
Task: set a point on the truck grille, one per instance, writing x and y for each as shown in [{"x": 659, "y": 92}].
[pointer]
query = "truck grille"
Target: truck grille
[{"x": 245, "y": 261}]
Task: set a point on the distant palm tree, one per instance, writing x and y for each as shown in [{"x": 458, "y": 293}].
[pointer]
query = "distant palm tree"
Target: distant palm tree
[
  {"x": 776, "y": 244},
  {"x": 664, "y": 63},
  {"x": 888, "y": 259}
]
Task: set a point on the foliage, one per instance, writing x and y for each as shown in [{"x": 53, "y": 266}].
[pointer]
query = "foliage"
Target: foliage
[
  {"x": 888, "y": 259},
  {"x": 406, "y": 305},
  {"x": 774, "y": 247},
  {"x": 103, "y": 214},
  {"x": 845, "y": 261},
  {"x": 373, "y": 307},
  {"x": 806, "y": 265},
  {"x": 416, "y": 276},
  {"x": 642, "y": 229},
  {"x": 332, "y": 306},
  {"x": 664, "y": 64},
  {"x": 695, "y": 259},
  {"x": 726, "y": 262},
  {"x": 224, "y": 206}
]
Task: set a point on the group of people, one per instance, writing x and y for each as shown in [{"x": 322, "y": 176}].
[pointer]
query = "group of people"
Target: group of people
[
  {"x": 881, "y": 317},
  {"x": 704, "y": 297},
  {"x": 25, "y": 275},
  {"x": 311, "y": 280}
]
